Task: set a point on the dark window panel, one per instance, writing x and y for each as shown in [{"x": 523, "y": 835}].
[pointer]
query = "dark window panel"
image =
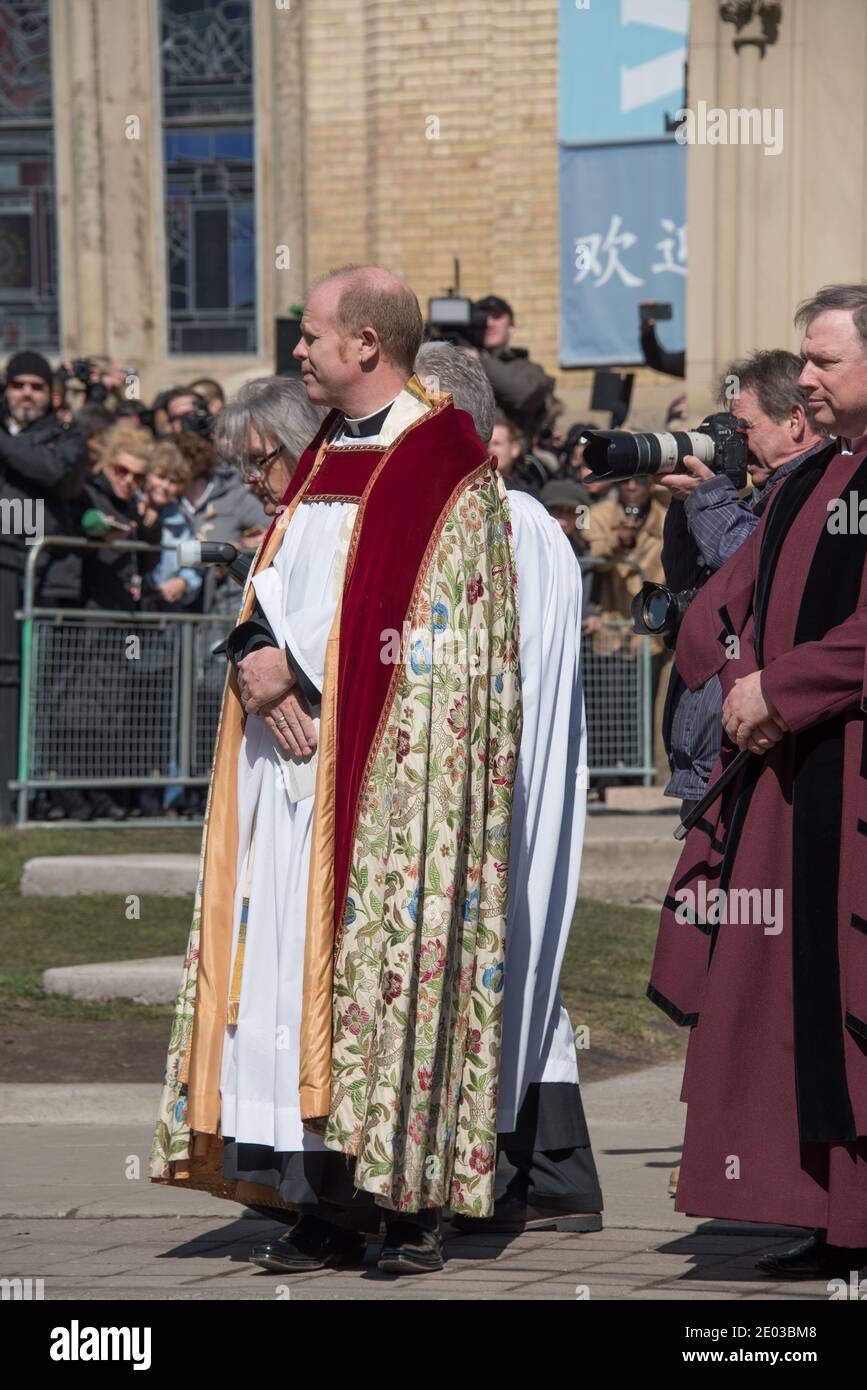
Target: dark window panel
[
  {"x": 25, "y": 60},
  {"x": 207, "y": 58},
  {"x": 28, "y": 255},
  {"x": 211, "y": 244}
]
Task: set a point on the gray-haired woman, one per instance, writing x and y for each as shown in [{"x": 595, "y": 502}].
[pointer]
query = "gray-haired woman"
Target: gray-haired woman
[{"x": 264, "y": 432}]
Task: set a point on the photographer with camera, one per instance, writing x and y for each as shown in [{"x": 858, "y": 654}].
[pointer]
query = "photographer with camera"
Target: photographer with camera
[
  {"x": 625, "y": 534},
  {"x": 768, "y": 971},
  {"x": 96, "y": 382},
  {"x": 523, "y": 390},
  {"x": 43, "y": 463},
  {"x": 707, "y": 523},
  {"x": 187, "y": 412},
  {"x": 625, "y": 538},
  {"x": 211, "y": 393}
]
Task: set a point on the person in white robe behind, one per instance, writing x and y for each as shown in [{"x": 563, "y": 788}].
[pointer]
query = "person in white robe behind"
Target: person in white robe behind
[{"x": 542, "y": 1132}]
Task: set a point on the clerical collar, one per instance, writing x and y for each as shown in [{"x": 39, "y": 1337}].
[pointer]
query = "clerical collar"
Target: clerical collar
[
  {"x": 852, "y": 446},
  {"x": 366, "y": 426}
]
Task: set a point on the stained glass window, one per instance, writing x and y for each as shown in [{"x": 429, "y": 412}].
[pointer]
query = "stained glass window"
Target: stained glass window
[
  {"x": 207, "y": 70},
  {"x": 28, "y": 248}
]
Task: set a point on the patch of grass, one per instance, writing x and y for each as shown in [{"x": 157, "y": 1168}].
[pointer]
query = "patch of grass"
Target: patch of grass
[
  {"x": 36, "y": 933},
  {"x": 605, "y": 973},
  {"x": 17, "y": 846},
  {"x": 605, "y": 970}
]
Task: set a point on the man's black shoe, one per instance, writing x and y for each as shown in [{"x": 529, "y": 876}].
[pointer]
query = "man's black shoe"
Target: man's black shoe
[
  {"x": 410, "y": 1248},
  {"x": 512, "y": 1215},
  {"x": 311, "y": 1244},
  {"x": 813, "y": 1258}
]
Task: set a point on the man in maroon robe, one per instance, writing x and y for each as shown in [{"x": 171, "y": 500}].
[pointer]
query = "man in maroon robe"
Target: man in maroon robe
[{"x": 762, "y": 949}]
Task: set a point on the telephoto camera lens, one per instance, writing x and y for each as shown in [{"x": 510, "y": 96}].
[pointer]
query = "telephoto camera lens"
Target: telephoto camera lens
[{"x": 615, "y": 455}]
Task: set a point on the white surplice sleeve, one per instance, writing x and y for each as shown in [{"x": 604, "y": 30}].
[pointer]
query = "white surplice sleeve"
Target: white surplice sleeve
[
  {"x": 300, "y": 592},
  {"x": 548, "y": 809}
]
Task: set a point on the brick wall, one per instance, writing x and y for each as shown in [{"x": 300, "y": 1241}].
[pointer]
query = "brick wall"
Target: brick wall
[{"x": 431, "y": 131}]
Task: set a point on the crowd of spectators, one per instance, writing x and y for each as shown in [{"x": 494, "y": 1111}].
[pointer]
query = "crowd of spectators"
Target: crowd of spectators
[{"x": 108, "y": 467}]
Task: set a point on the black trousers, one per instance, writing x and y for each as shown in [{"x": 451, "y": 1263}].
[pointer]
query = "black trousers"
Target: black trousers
[{"x": 548, "y": 1157}]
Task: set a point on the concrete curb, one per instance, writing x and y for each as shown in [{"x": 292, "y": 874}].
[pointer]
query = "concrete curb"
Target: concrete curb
[
  {"x": 152, "y": 981},
  {"x": 628, "y": 858},
  {"x": 68, "y": 875},
  {"x": 86, "y": 1103}
]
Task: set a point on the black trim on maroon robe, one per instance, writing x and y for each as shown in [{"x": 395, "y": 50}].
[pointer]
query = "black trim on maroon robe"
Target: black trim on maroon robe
[{"x": 830, "y": 596}]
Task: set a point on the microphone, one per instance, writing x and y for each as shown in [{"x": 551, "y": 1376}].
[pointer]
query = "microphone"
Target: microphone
[
  {"x": 194, "y": 553},
  {"x": 205, "y": 553}
]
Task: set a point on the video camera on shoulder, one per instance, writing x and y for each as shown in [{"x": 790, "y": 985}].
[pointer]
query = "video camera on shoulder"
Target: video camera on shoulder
[
  {"x": 452, "y": 318},
  {"x": 456, "y": 320}
]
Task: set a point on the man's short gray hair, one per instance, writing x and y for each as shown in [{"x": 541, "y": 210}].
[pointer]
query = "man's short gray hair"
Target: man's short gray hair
[
  {"x": 852, "y": 297},
  {"x": 449, "y": 369},
  {"x": 276, "y": 406}
]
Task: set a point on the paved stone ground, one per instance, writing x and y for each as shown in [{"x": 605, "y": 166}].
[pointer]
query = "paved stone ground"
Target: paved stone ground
[
  {"x": 205, "y": 1258},
  {"x": 70, "y": 1215}
]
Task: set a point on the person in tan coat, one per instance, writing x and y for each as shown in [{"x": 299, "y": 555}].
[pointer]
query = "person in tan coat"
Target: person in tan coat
[
  {"x": 625, "y": 539},
  {"x": 625, "y": 534}
]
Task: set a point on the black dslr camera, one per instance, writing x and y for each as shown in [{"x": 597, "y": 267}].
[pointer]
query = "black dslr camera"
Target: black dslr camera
[
  {"x": 720, "y": 441},
  {"x": 81, "y": 369}
]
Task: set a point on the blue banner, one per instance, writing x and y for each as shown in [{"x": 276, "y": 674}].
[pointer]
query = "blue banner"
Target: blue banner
[
  {"x": 622, "y": 68},
  {"x": 622, "y": 240}
]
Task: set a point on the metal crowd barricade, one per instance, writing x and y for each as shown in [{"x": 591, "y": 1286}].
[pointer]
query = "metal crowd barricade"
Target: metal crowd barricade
[
  {"x": 113, "y": 699},
  {"x": 132, "y": 699},
  {"x": 618, "y": 697},
  {"x": 618, "y": 692}
]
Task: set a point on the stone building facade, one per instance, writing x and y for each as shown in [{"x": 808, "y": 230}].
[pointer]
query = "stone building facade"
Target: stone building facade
[{"x": 407, "y": 132}]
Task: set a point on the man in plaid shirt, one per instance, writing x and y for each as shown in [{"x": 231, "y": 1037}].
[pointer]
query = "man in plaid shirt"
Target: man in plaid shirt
[{"x": 708, "y": 521}]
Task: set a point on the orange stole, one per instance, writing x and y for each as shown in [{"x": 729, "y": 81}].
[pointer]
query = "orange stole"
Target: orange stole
[{"x": 218, "y": 880}]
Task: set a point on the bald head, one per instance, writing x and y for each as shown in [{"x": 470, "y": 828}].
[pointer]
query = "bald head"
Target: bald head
[{"x": 359, "y": 336}]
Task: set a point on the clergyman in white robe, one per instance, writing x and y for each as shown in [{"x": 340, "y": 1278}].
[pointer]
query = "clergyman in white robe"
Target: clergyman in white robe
[
  {"x": 540, "y": 1118},
  {"x": 264, "y": 1141}
]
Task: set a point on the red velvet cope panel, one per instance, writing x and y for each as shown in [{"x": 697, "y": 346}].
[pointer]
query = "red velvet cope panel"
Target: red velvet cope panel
[
  {"x": 345, "y": 473},
  {"x": 300, "y": 476},
  {"x": 398, "y": 520}
]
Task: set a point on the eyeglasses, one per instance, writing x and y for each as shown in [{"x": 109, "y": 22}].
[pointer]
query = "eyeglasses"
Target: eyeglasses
[
  {"x": 18, "y": 385},
  {"x": 256, "y": 464},
  {"x": 123, "y": 472}
]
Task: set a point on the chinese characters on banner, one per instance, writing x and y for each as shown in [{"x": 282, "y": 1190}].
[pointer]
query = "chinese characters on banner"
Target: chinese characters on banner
[
  {"x": 623, "y": 236},
  {"x": 622, "y": 239}
]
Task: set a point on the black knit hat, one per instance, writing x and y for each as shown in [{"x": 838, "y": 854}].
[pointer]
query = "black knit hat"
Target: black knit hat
[{"x": 27, "y": 363}]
